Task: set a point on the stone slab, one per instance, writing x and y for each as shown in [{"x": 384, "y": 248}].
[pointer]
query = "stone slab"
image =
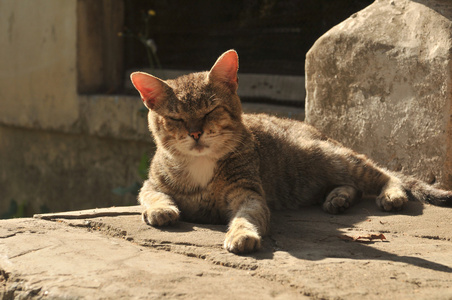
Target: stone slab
[{"x": 307, "y": 255}]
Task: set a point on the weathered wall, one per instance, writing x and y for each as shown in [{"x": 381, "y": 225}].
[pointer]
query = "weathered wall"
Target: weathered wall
[
  {"x": 37, "y": 63},
  {"x": 59, "y": 150},
  {"x": 380, "y": 82},
  {"x": 42, "y": 170},
  {"x": 78, "y": 167}
]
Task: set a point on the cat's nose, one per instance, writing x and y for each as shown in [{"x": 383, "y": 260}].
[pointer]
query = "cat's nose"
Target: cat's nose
[{"x": 196, "y": 135}]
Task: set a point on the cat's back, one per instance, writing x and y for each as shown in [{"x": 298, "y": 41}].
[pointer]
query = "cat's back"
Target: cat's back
[{"x": 272, "y": 129}]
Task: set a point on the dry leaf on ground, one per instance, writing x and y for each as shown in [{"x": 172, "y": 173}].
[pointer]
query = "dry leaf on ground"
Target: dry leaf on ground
[{"x": 359, "y": 238}]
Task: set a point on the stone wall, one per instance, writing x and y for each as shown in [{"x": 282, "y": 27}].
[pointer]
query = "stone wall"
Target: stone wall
[
  {"x": 37, "y": 64},
  {"x": 59, "y": 150},
  {"x": 380, "y": 82},
  {"x": 51, "y": 171}
]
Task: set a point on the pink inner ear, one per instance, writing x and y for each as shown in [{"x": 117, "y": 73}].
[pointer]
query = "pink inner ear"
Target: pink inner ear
[
  {"x": 150, "y": 87},
  {"x": 225, "y": 68},
  {"x": 148, "y": 96}
]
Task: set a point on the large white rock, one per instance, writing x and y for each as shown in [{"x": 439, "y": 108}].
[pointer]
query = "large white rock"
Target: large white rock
[{"x": 380, "y": 82}]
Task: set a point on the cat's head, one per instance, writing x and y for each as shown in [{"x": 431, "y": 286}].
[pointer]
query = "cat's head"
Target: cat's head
[{"x": 197, "y": 114}]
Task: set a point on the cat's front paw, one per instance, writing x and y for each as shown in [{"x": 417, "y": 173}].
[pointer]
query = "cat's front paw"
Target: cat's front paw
[
  {"x": 161, "y": 215},
  {"x": 392, "y": 199},
  {"x": 242, "y": 240}
]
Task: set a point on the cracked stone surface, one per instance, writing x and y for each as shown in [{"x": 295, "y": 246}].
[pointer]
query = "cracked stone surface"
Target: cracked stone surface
[{"x": 110, "y": 254}]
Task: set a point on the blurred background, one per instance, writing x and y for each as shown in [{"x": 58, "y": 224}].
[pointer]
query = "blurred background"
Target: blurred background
[
  {"x": 73, "y": 132},
  {"x": 271, "y": 36}
]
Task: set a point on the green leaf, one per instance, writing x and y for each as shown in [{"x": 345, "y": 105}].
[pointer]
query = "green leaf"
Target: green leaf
[
  {"x": 132, "y": 189},
  {"x": 143, "y": 167}
]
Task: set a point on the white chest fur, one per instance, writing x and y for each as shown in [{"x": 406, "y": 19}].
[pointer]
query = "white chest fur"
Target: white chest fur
[{"x": 200, "y": 170}]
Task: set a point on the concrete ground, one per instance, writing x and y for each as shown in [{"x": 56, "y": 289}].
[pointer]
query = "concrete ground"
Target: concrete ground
[{"x": 112, "y": 254}]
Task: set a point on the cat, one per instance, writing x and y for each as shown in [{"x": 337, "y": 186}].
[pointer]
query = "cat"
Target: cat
[{"x": 215, "y": 164}]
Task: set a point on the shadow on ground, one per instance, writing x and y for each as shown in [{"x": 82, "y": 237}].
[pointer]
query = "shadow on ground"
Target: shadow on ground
[{"x": 311, "y": 234}]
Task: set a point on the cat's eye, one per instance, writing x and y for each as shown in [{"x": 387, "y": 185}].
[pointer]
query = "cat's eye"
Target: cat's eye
[
  {"x": 175, "y": 119},
  {"x": 207, "y": 114}
]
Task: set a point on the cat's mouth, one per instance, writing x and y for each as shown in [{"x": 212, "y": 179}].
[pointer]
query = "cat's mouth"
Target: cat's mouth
[{"x": 199, "y": 147}]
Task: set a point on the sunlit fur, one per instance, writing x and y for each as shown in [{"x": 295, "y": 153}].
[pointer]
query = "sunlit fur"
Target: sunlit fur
[{"x": 242, "y": 165}]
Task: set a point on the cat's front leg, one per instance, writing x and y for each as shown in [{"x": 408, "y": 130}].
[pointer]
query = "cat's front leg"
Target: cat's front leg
[
  {"x": 160, "y": 209},
  {"x": 249, "y": 223}
]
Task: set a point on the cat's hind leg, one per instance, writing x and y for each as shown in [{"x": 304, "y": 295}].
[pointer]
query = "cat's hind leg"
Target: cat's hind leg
[
  {"x": 373, "y": 180},
  {"x": 392, "y": 196},
  {"x": 341, "y": 198},
  {"x": 351, "y": 169}
]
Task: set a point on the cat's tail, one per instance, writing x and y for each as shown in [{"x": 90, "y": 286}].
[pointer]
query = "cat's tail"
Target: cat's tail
[{"x": 418, "y": 190}]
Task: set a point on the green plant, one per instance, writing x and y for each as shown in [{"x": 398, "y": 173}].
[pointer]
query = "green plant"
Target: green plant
[
  {"x": 135, "y": 187},
  {"x": 15, "y": 210},
  {"x": 144, "y": 37},
  {"x": 21, "y": 210}
]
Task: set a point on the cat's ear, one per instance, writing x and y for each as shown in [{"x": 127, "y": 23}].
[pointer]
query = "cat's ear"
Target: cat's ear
[
  {"x": 152, "y": 89},
  {"x": 225, "y": 70}
]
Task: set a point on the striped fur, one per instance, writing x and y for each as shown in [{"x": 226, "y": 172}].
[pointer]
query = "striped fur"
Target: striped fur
[{"x": 214, "y": 164}]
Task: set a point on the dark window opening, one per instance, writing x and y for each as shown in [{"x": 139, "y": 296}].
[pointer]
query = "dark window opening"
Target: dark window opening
[{"x": 271, "y": 36}]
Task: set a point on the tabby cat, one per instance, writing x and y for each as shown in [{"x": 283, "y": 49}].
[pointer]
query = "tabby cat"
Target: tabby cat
[{"x": 214, "y": 164}]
